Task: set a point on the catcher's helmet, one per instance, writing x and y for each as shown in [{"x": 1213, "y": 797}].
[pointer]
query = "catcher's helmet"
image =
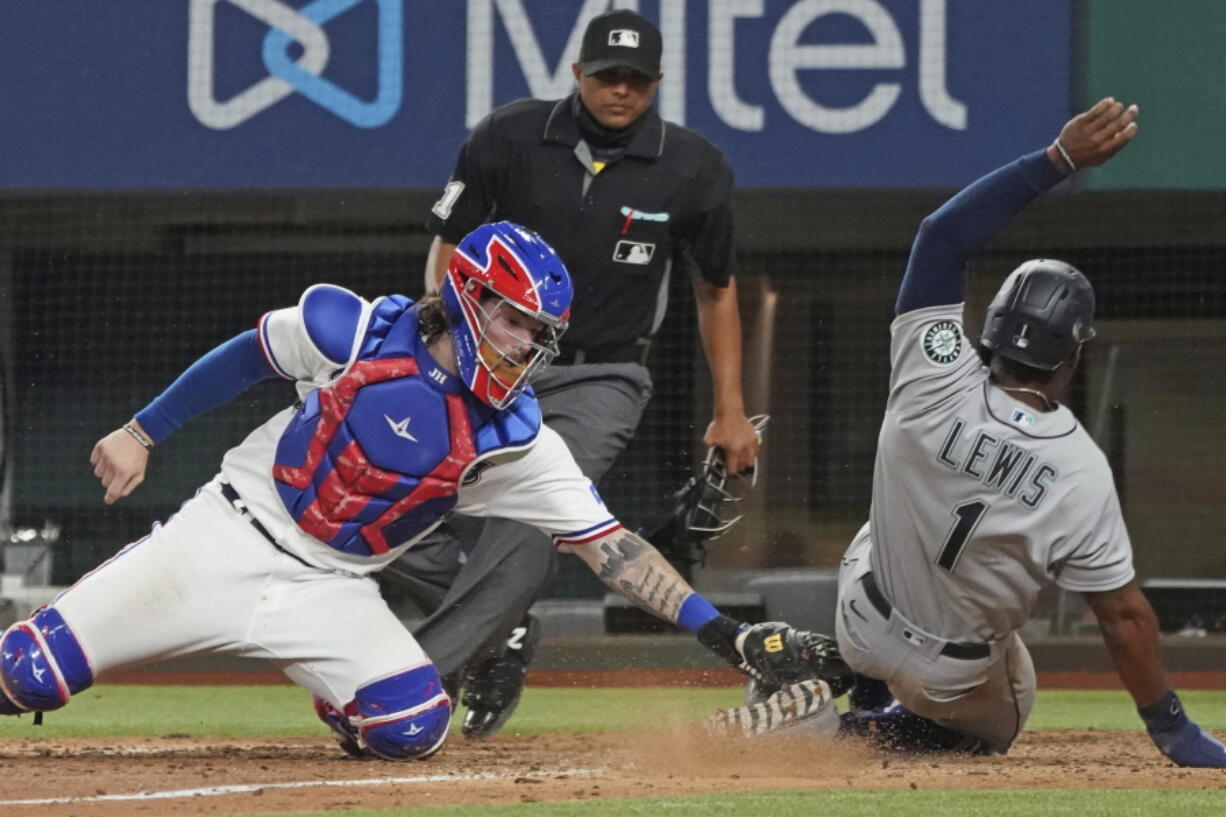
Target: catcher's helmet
[
  {"x": 498, "y": 267},
  {"x": 1041, "y": 315}
]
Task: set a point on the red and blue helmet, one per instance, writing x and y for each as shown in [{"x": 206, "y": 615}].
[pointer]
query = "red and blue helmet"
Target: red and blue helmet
[{"x": 499, "y": 274}]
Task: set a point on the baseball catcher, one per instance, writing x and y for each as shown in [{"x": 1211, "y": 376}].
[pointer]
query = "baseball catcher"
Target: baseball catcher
[{"x": 405, "y": 412}]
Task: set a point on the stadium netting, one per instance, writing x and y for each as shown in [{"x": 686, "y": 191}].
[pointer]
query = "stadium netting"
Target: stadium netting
[{"x": 106, "y": 298}]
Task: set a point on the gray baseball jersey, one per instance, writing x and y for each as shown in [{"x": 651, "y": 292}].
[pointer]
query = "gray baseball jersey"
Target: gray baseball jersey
[{"x": 978, "y": 500}]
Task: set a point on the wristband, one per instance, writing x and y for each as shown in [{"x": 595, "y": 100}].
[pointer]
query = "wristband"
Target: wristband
[
  {"x": 695, "y": 611},
  {"x": 719, "y": 636},
  {"x": 1068, "y": 160},
  {"x": 136, "y": 435}
]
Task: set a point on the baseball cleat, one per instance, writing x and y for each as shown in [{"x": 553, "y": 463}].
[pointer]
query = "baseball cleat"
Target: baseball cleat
[
  {"x": 349, "y": 745},
  {"x": 342, "y": 730},
  {"x": 492, "y": 691}
]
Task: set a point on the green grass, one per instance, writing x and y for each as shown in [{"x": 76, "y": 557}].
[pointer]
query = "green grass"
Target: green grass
[
  {"x": 285, "y": 711},
  {"x": 1113, "y": 710},
  {"x": 255, "y": 711},
  {"x": 936, "y": 803}
]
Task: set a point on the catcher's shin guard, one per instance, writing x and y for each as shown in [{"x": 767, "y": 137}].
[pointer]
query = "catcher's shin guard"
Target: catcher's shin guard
[
  {"x": 804, "y": 709},
  {"x": 41, "y": 664}
]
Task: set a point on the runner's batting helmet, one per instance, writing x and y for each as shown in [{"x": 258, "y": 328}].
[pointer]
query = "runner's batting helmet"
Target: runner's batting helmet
[{"x": 1041, "y": 314}]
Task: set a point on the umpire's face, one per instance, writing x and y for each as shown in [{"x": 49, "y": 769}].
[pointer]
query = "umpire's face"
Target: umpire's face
[{"x": 616, "y": 97}]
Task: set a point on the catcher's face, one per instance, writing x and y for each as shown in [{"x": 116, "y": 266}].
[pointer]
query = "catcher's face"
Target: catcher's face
[{"x": 511, "y": 340}]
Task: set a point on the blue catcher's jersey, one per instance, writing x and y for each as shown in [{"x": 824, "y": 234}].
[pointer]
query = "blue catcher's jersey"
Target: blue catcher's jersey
[{"x": 373, "y": 457}]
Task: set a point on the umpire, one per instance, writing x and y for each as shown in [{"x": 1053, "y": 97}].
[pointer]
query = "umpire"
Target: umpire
[{"x": 627, "y": 200}]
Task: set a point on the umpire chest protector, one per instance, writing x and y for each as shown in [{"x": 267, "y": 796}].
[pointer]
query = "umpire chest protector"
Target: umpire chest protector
[{"x": 374, "y": 459}]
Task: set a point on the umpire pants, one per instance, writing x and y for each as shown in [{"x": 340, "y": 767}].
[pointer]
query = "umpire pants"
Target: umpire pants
[
  {"x": 986, "y": 697},
  {"x": 477, "y": 586}
]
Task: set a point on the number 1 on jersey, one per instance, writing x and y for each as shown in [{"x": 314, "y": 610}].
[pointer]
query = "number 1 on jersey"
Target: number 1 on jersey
[
  {"x": 968, "y": 515},
  {"x": 442, "y": 207}
]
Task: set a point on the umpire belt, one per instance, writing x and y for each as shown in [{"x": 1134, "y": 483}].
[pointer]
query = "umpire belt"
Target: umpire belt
[
  {"x": 633, "y": 352},
  {"x": 952, "y": 649},
  {"x": 240, "y": 507}
]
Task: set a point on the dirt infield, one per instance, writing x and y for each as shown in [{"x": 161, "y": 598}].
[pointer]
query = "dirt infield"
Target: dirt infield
[{"x": 100, "y": 778}]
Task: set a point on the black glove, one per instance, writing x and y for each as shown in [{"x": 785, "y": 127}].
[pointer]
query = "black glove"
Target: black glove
[
  {"x": 776, "y": 654},
  {"x": 1177, "y": 737}
]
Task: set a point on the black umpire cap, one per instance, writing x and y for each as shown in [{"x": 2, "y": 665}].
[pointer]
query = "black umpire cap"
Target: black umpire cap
[{"x": 621, "y": 38}]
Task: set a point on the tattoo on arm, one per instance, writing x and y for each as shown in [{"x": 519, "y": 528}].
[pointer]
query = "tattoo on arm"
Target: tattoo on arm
[{"x": 632, "y": 567}]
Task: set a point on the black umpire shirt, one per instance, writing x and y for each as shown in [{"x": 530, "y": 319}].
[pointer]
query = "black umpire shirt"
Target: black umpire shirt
[{"x": 659, "y": 203}]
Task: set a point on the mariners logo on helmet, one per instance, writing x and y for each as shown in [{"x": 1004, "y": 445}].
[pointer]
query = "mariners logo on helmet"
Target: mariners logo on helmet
[{"x": 943, "y": 342}]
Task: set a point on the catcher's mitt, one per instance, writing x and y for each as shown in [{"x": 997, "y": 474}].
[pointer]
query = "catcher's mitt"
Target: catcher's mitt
[
  {"x": 777, "y": 655},
  {"x": 695, "y": 514}
]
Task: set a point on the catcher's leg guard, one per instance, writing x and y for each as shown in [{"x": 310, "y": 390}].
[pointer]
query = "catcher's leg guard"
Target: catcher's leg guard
[
  {"x": 404, "y": 717},
  {"x": 41, "y": 664}
]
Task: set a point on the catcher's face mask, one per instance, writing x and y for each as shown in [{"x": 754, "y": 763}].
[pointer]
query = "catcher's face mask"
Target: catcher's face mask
[
  {"x": 697, "y": 512},
  {"x": 515, "y": 346},
  {"x": 507, "y": 296},
  {"x": 715, "y": 491}
]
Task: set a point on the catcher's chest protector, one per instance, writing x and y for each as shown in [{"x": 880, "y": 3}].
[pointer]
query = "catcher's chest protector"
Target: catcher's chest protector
[{"x": 375, "y": 458}]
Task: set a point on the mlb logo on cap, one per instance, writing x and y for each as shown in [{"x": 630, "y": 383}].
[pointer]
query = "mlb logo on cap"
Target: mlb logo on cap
[
  {"x": 624, "y": 37},
  {"x": 621, "y": 39}
]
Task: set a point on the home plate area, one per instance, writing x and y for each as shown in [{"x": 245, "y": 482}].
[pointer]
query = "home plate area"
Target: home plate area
[{"x": 174, "y": 776}]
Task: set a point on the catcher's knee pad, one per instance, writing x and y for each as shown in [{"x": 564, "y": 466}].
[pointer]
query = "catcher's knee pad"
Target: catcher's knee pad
[
  {"x": 42, "y": 663},
  {"x": 404, "y": 717}
]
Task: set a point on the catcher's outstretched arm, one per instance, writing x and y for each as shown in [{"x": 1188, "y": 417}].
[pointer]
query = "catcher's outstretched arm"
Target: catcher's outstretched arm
[
  {"x": 772, "y": 652},
  {"x": 631, "y": 565}
]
